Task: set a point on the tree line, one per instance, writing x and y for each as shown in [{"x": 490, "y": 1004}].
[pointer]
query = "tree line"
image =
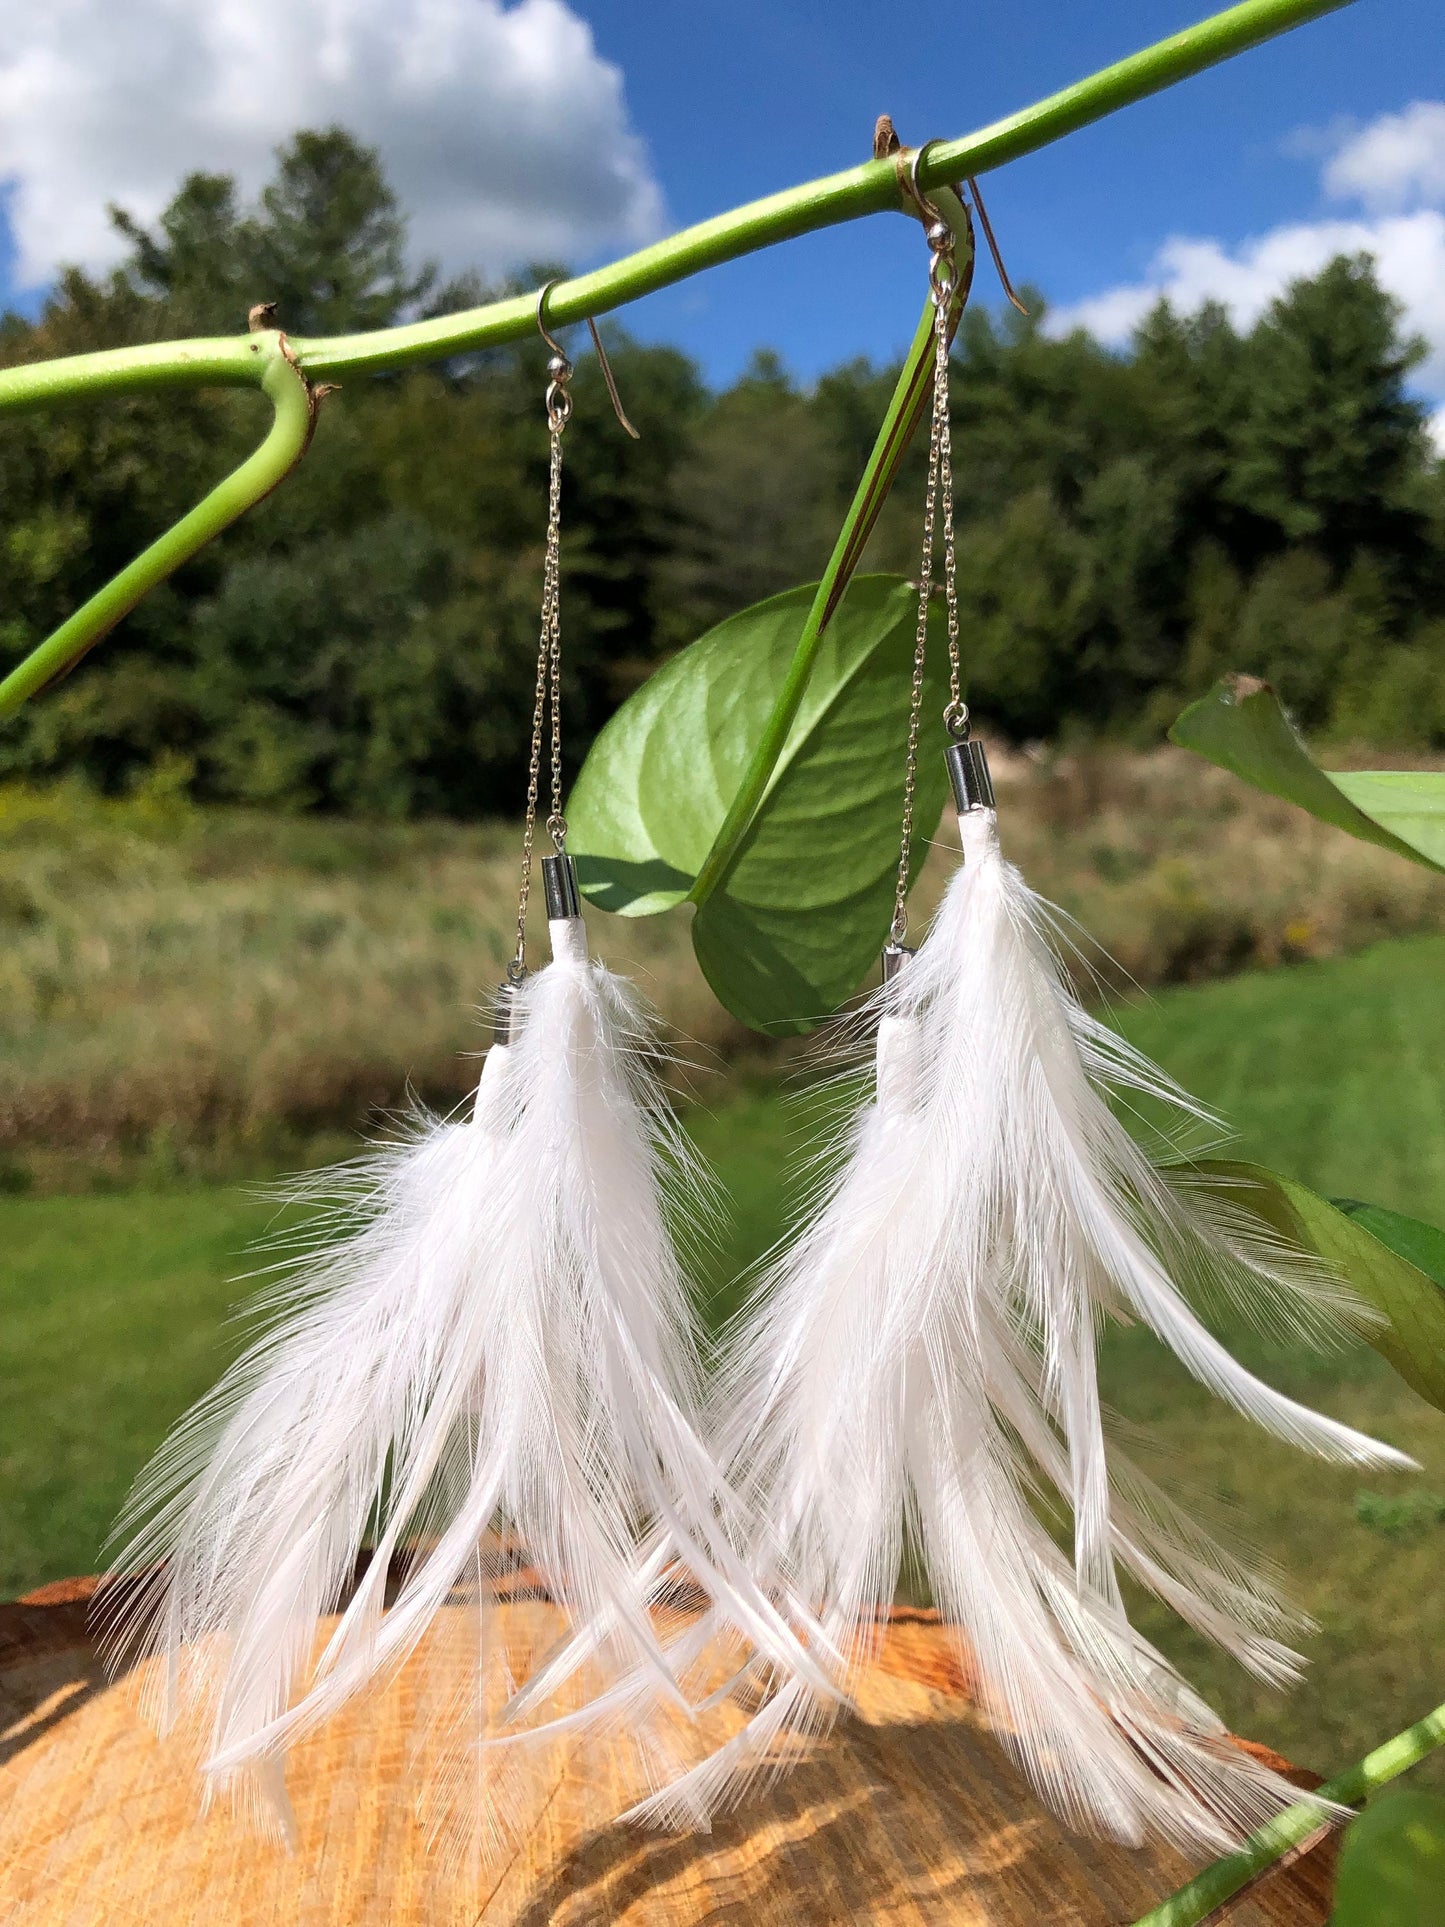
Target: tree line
[{"x": 1131, "y": 525}]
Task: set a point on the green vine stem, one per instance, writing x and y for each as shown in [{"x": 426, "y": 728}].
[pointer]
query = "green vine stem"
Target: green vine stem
[
  {"x": 870, "y": 189},
  {"x": 910, "y": 396},
  {"x": 294, "y": 401},
  {"x": 1225, "y": 1878},
  {"x": 873, "y": 188}
]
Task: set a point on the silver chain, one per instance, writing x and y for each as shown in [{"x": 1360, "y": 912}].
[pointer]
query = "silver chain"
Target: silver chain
[
  {"x": 549, "y": 661},
  {"x": 938, "y": 501}
]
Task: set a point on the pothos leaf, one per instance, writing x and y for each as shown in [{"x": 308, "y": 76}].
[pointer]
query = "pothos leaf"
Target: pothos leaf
[
  {"x": 1240, "y": 726},
  {"x": 1419, "y": 1244},
  {"x": 803, "y": 909},
  {"x": 1392, "y": 1864},
  {"x": 1390, "y": 1261}
]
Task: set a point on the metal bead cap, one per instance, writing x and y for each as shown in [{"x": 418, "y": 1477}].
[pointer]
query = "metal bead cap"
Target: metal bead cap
[
  {"x": 502, "y": 1013},
  {"x": 969, "y": 776},
  {"x": 559, "y": 881},
  {"x": 895, "y": 956}
]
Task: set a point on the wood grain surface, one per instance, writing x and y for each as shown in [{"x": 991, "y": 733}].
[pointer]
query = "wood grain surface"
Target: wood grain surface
[{"x": 907, "y": 1814}]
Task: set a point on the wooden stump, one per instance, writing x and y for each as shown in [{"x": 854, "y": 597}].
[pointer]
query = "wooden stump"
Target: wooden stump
[{"x": 908, "y": 1814}]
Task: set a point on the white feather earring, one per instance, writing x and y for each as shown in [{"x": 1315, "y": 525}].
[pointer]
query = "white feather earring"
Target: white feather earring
[
  {"x": 917, "y": 1372},
  {"x": 497, "y": 1354}
]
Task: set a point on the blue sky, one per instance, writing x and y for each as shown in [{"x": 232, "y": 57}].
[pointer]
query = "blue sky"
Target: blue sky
[
  {"x": 582, "y": 128},
  {"x": 749, "y": 97}
]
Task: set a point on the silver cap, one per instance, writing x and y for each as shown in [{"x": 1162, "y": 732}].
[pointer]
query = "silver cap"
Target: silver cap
[
  {"x": 895, "y": 955},
  {"x": 502, "y": 1012},
  {"x": 559, "y": 881},
  {"x": 968, "y": 773}
]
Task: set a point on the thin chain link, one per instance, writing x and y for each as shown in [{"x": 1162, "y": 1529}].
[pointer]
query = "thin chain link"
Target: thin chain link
[
  {"x": 549, "y": 663},
  {"x": 956, "y": 714},
  {"x": 938, "y": 498},
  {"x": 556, "y": 822}
]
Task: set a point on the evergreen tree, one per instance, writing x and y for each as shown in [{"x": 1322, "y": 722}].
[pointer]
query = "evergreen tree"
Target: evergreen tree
[
  {"x": 328, "y": 243},
  {"x": 1130, "y": 526},
  {"x": 1328, "y": 448},
  {"x": 197, "y": 266}
]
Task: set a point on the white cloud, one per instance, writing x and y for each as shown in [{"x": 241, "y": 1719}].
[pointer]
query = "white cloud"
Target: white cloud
[
  {"x": 1390, "y": 161},
  {"x": 1397, "y": 159},
  {"x": 504, "y": 132},
  {"x": 1435, "y": 428},
  {"x": 1409, "y": 251}
]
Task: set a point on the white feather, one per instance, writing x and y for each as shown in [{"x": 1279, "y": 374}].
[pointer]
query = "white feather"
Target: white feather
[
  {"x": 246, "y": 1527},
  {"x": 502, "y": 1353},
  {"x": 918, "y": 1374}
]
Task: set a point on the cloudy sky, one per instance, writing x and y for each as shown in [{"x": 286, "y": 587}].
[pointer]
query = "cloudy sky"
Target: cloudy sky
[{"x": 581, "y": 128}]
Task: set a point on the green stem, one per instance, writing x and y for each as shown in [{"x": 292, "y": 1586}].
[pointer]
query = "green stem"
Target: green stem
[
  {"x": 1209, "y": 1890},
  {"x": 870, "y": 189},
  {"x": 249, "y": 360},
  {"x": 294, "y": 403},
  {"x": 905, "y": 408}
]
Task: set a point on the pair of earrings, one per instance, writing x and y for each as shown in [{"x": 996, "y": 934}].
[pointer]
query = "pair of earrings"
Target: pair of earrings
[{"x": 496, "y": 1365}]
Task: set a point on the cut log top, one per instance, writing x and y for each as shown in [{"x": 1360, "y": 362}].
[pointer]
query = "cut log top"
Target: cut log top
[{"x": 909, "y": 1813}]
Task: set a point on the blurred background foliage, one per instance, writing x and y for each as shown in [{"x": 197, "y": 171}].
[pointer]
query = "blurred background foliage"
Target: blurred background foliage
[{"x": 1132, "y": 525}]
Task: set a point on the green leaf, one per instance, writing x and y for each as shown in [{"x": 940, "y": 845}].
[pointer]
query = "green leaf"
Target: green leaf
[
  {"x": 804, "y": 908},
  {"x": 1419, "y": 1244},
  {"x": 1383, "y": 1256},
  {"x": 1392, "y": 1864},
  {"x": 1409, "y": 803},
  {"x": 1240, "y": 726}
]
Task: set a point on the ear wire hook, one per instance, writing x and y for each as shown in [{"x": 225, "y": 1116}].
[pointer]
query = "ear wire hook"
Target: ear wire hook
[
  {"x": 927, "y": 212},
  {"x": 987, "y": 226},
  {"x": 905, "y": 166},
  {"x": 942, "y": 266},
  {"x": 557, "y": 349},
  {"x": 611, "y": 381},
  {"x": 606, "y": 365}
]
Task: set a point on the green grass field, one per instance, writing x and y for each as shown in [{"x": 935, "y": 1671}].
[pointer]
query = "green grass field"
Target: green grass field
[{"x": 115, "y": 1316}]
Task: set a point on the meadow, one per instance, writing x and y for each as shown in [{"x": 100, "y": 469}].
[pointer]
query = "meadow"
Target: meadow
[
  {"x": 188, "y": 991},
  {"x": 192, "y": 1037}
]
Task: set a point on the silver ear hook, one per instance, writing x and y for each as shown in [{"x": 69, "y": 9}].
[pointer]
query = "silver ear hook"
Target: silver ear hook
[
  {"x": 908, "y": 180},
  {"x": 929, "y": 215},
  {"x": 942, "y": 242},
  {"x": 557, "y": 349},
  {"x": 560, "y": 355},
  {"x": 610, "y": 379},
  {"x": 559, "y": 369},
  {"x": 987, "y": 226}
]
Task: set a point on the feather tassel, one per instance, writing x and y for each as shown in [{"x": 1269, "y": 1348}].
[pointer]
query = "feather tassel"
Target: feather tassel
[
  {"x": 501, "y": 1355},
  {"x": 917, "y": 1377}
]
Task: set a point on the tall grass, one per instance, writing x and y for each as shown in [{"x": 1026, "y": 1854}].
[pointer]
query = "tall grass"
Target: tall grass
[{"x": 179, "y": 986}]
